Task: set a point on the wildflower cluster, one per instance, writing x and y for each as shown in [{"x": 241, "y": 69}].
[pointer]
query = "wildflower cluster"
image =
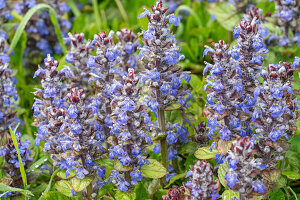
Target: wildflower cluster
[
  {"x": 77, "y": 57},
  {"x": 42, "y": 36},
  {"x": 201, "y": 184},
  {"x": 159, "y": 56},
  {"x": 226, "y": 88},
  {"x": 275, "y": 112},
  {"x": 175, "y": 193},
  {"x": 130, "y": 125},
  {"x": 287, "y": 15},
  {"x": 244, "y": 169},
  {"x": 9, "y": 119},
  {"x": 128, "y": 45}
]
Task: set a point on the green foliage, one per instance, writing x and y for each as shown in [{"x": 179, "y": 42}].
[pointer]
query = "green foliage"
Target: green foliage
[
  {"x": 80, "y": 184},
  {"x": 204, "y": 153},
  {"x": 154, "y": 170}
]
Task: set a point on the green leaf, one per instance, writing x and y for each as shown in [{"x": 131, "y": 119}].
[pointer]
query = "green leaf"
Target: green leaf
[
  {"x": 49, "y": 185},
  {"x": 124, "y": 196},
  {"x": 204, "y": 153},
  {"x": 122, "y": 168},
  {"x": 74, "y": 8},
  {"x": 154, "y": 170},
  {"x": 223, "y": 169},
  {"x": 277, "y": 195},
  {"x": 64, "y": 187},
  {"x": 271, "y": 174},
  {"x": 228, "y": 194},
  {"x": 141, "y": 192},
  {"x": 6, "y": 188},
  {"x": 80, "y": 184},
  {"x": 175, "y": 178},
  {"x": 63, "y": 174},
  {"x": 189, "y": 147},
  {"x": 55, "y": 195},
  {"x": 26, "y": 18},
  {"x": 175, "y": 106},
  {"x": 226, "y": 14},
  {"x": 21, "y": 166},
  {"x": 37, "y": 164},
  {"x": 196, "y": 83},
  {"x": 292, "y": 175}
]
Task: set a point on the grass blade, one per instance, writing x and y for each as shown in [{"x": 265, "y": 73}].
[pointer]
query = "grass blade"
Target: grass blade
[
  {"x": 6, "y": 188},
  {"x": 37, "y": 164},
  {"x": 49, "y": 185},
  {"x": 21, "y": 166},
  {"x": 191, "y": 11},
  {"x": 27, "y": 17},
  {"x": 74, "y": 8},
  {"x": 97, "y": 15},
  {"x": 122, "y": 10}
]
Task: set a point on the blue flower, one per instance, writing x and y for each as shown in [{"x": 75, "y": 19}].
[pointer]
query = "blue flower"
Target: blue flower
[
  {"x": 143, "y": 14},
  {"x": 217, "y": 86},
  {"x": 286, "y": 14},
  {"x": 258, "y": 43},
  {"x": 154, "y": 75},
  {"x": 81, "y": 172},
  {"x": 210, "y": 99},
  {"x": 69, "y": 58},
  {"x": 76, "y": 128},
  {"x": 219, "y": 107},
  {"x": 276, "y": 110},
  {"x": 136, "y": 175},
  {"x": 257, "y": 91},
  {"x": 112, "y": 54},
  {"x": 235, "y": 53},
  {"x": 232, "y": 163},
  {"x": 213, "y": 123},
  {"x": 175, "y": 82},
  {"x": 125, "y": 159},
  {"x": 174, "y": 20},
  {"x": 220, "y": 158},
  {"x": 216, "y": 70},
  {"x": 156, "y": 148},
  {"x": 123, "y": 185},
  {"x": 89, "y": 161},
  {"x": 127, "y": 105},
  {"x": 207, "y": 49},
  {"x": 122, "y": 118},
  {"x": 225, "y": 133},
  {"x": 125, "y": 135},
  {"x": 72, "y": 111},
  {"x": 249, "y": 102},
  {"x": 165, "y": 88},
  {"x": 235, "y": 122},
  {"x": 2, "y": 4},
  {"x": 172, "y": 153},
  {"x": 231, "y": 178},
  {"x": 100, "y": 171},
  {"x": 129, "y": 47},
  {"x": 171, "y": 137},
  {"x": 91, "y": 62},
  {"x": 256, "y": 114},
  {"x": 149, "y": 34},
  {"x": 236, "y": 31},
  {"x": 276, "y": 134},
  {"x": 259, "y": 186},
  {"x": 50, "y": 91},
  {"x": 4, "y": 58},
  {"x": 277, "y": 91}
]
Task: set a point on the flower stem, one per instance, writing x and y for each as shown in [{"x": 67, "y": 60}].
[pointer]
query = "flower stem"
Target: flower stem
[{"x": 163, "y": 143}]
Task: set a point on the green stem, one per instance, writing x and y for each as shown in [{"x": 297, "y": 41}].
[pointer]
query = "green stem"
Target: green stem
[
  {"x": 292, "y": 191},
  {"x": 122, "y": 10},
  {"x": 89, "y": 191},
  {"x": 176, "y": 166},
  {"x": 163, "y": 143},
  {"x": 97, "y": 15}
]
